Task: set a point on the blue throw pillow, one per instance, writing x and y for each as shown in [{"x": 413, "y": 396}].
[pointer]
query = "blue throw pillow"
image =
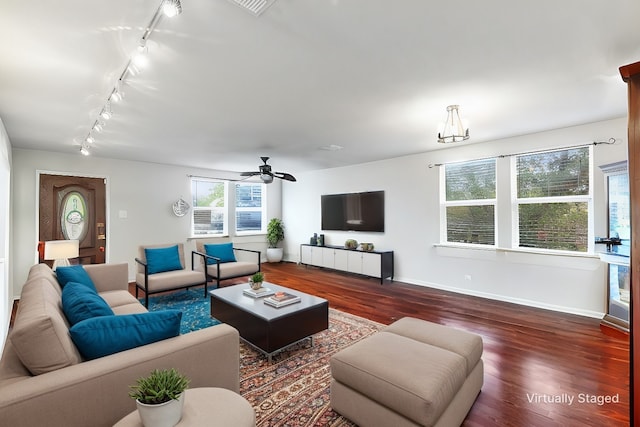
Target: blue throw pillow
[
  {"x": 162, "y": 259},
  {"x": 102, "y": 336},
  {"x": 74, "y": 273},
  {"x": 80, "y": 302},
  {"x": 224, "y": 251}
]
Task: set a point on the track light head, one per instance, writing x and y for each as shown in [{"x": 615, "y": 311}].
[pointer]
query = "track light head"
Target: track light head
[
  {"x": 106, "y": 111},
  {"x": 171, "y": 8},
  {"x": 84, "y": 150}
]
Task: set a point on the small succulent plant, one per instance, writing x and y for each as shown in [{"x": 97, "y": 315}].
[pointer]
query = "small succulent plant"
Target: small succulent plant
[{"x": 159, "y": 387}]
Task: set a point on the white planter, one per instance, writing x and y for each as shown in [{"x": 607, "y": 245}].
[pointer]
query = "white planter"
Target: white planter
[
  {"x": 274, "y": 254},
  {"x": 166, "y": 414}
]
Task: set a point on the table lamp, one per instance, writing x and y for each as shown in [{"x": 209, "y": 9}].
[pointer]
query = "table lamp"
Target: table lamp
[{"x": 60, "y": 251}]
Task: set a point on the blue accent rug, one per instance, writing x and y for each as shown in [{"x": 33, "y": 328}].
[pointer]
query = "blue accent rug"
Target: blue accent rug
[{"x": 196, "y": 309}]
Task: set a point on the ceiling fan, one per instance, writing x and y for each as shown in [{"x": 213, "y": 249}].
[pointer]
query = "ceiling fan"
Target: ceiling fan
[{"x": 266, "y": 175}]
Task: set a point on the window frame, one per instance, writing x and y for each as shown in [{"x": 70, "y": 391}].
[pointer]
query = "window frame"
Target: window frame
[
  {"x": 224, "y": 210},
  {"x": 444, "y": 204},
  {"x": 506, "y": 204},
  {"x": 262, "y": 209},
  {"x": 516, "y": 202}
]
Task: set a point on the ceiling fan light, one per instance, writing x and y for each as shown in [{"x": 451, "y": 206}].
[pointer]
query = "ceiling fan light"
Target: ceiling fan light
[
  {"x": 171, "y": 8},
  {"x": 453, "y": 129},
  {"x": 266, "y": 178}
]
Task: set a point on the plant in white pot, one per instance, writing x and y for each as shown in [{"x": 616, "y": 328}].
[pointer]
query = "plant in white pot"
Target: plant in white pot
[
  {"x": 275, "y": 233},
  {"x": 160, "y": 397}
]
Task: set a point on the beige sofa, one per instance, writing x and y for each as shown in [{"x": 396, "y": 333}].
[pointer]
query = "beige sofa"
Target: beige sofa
[{"x": 71, "y": 392}]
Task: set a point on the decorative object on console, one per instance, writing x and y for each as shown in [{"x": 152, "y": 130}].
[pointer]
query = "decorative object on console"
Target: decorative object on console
[
  {"x": 350, "y": 244},
  {"x": 275, "y": 233},
  {"x": 60, "y": 251},
  {"x": 453, "y": 130},
  {"x": 367, "y": 247},
  {"x": 160, "y": 397}
]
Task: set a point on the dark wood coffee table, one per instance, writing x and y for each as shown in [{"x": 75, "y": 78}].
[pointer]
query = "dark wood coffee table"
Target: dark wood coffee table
[{"x": 267, "y": 328}]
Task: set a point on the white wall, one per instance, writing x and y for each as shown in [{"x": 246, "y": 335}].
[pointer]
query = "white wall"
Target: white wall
[
  {"x": 145, "y": 191},
  {"x": 6, "y": 300},
  {"x": 563, "y": 283}
]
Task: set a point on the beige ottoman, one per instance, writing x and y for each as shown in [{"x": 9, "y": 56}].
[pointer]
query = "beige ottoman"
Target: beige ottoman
[
  {"x": 207, "y": 406},
  {"x": 412, "y": 373}
]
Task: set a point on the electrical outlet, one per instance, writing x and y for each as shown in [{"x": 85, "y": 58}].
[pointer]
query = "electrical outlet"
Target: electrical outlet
[{"x": 467, "y": 277}]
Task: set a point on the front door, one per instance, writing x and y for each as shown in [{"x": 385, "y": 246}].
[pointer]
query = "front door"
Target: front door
[{"x": 74, "y": 208}]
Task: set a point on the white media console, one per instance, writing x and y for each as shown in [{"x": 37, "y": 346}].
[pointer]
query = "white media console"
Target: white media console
[{"x": 378, "y": 264}]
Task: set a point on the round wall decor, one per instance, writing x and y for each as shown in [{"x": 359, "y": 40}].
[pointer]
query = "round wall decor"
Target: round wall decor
[{"x": 180, "y": 207}]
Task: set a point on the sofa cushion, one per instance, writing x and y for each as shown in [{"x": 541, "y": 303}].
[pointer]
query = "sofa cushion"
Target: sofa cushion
[
  {"x": 223, "y": 251},
  {"x": 411, "y": 378},
  {"x": 40, "y": 335},
  {"x": 235, "y": 269},
  {"x": 466, "y": 344},
  {"x": 162, "y": 259},
  {"x": 74, "y": 273},
  {"x": 101, "y": 336},
  {"x": 79, "y": 302}
]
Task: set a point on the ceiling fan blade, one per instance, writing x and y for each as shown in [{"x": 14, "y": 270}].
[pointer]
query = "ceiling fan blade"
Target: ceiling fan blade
[
  {"x": 249, "y": 173},
  {"x": 285, "y": 176}
]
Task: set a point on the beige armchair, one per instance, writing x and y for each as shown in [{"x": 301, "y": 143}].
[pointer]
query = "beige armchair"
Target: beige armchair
[
  {"x": 239, "y": 262},
  {"x": 162, "y": 268}
]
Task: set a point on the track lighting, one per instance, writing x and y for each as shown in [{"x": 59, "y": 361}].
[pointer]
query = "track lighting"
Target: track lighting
[
  {"x": 136, "y": 62},
  {"x": 171, "y": 8},
  {"x": 106, "y": 111},
  {"x": 117, "y": 94},
  {"x": 140, "y": 58}
]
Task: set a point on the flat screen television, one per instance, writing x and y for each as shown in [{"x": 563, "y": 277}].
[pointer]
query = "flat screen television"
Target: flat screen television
[{"x": 353, "y": 211}]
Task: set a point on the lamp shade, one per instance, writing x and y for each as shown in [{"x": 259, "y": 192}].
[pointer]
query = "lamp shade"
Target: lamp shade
[{"x": 61, "y": 251}]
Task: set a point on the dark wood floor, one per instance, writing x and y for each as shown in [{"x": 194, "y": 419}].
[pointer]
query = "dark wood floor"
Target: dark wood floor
[{"x": 528, "y": 353}]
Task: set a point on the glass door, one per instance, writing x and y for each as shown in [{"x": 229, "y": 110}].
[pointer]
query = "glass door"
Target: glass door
[{"x": 617, "y": 245}]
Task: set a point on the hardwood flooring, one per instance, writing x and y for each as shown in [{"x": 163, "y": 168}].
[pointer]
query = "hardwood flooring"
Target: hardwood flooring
[{"x": 529, "y": 354}]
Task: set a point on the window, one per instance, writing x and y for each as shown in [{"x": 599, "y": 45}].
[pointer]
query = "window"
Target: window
[
  {"x": 469, "y": 202},
  {"x": 209, "y": 207},
  {"x": 553, "y": 200},
  {"x": 250, "y": 208}
]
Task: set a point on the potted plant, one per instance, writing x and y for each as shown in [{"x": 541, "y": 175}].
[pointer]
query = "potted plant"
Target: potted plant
[
  {"x": 256, "y": 280},
  {"x": 275, "y": 233},
  {"x": 160, "y": 397}
]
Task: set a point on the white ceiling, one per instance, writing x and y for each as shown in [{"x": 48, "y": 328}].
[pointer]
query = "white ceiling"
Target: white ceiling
[{"x": 224, "y": 86}]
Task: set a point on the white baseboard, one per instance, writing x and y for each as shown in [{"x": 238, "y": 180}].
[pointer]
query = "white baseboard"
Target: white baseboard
[{"x": 520, "y": 301}]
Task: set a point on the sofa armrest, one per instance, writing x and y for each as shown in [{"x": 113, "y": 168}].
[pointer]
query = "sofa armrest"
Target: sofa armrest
[
  {"x": 109, "y": 277},
  {"x": 96, "y": 392}
]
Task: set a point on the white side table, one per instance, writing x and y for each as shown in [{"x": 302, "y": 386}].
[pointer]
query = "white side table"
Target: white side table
[{"x": 207, "y": 406}]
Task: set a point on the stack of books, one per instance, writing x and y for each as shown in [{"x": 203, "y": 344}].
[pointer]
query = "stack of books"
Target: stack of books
[
  {"x": 258, "y": 293},
  {"x": 280, "y": 299}
]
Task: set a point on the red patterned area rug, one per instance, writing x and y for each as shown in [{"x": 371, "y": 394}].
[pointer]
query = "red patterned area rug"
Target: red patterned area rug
[{"x": 293, "y": 390}]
